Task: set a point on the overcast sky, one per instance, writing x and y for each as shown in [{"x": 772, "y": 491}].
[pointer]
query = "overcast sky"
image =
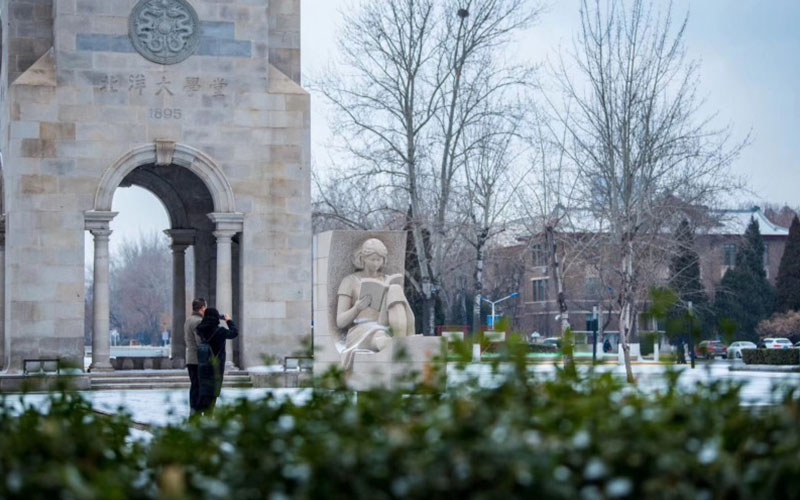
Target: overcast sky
[{"x": 750, "y": 72}]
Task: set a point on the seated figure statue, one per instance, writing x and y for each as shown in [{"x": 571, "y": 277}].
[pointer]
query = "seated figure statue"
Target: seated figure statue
[{"x": 371, "y": 305}]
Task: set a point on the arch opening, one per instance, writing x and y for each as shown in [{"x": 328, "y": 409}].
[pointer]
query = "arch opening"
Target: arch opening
[{"x": 198, "y": 203}]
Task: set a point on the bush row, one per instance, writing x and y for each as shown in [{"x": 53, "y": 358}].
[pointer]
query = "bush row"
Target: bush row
[
  {"x": 548, "y": 348},
  {"x": 771, "y": 356},
  {"x": 560, "y": 438}
]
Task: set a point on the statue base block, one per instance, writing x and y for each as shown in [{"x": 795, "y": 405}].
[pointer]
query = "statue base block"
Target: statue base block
[{"x": 405, "y": 362}]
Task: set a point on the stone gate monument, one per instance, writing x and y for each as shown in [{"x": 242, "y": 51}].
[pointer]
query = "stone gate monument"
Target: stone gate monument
[{"x": 198, "y": 101}]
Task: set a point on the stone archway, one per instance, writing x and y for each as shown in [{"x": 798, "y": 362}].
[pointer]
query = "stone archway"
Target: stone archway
[
  {"x": 226, "y": 223},
  {"x": 167, "y": 153}
]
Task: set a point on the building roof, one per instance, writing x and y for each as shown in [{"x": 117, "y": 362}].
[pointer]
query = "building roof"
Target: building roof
[
  {"x": 735, "y": 222},
  {"x": 716, "y": 222}
]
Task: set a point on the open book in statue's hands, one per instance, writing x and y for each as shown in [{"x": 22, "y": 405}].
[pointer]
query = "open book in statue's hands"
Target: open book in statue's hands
[{"x": 376, "y": 289}]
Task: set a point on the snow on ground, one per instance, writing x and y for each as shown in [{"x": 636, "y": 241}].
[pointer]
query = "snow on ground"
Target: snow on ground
[{"x": 170, "y": 406}]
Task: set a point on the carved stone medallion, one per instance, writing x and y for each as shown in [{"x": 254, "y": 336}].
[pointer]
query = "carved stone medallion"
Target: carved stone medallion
[{"x": 164, "y": 31}]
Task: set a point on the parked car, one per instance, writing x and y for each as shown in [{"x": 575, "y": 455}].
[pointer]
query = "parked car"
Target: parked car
[
  {"x": 777, "y": 343},
  {"x": 710, "y": 349},
  {"x": 550, "y": 344},
  {"x": 735, "y": 349}
]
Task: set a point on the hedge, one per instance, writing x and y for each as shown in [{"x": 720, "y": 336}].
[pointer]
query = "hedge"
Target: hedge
[
  {"x": 568, "y": 437},
  {"x": 771, "y": 356},
  {"x": 548, "y": 348}
]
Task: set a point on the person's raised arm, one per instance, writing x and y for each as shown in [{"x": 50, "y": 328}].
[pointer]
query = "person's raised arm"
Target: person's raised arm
[{"x": 232, "y": 332}]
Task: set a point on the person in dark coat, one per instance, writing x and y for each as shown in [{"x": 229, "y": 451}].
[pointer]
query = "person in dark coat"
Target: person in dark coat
[{"x": 209, "y": 375}]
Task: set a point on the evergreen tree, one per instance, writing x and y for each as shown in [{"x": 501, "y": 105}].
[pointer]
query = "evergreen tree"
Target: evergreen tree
[
  {"x": 744, "y": 296},
  {"x": 415, "y": 297},
  {"x": 684, "y": 279},
  {"x": 788, "y": 280},
  {"x": 685, "y": 270}
]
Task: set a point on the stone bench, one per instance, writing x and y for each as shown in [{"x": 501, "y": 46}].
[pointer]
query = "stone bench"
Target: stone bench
[
  {"x": 143, "y": 363},
  {"x": 41, "y": 366}
]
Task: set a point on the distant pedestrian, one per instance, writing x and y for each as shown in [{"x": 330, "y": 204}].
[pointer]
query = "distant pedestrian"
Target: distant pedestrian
[
  {"x": 165, "y": 338},
  {"x": 190, "y": 336},
  {"x": 606, "y": 345},
  {"x": 211, "y": 371},
  {"x": 681, "y": 352}
]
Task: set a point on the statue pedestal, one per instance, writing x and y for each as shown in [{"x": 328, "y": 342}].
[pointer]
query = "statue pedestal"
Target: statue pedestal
[{"x": 405, "y": 362}]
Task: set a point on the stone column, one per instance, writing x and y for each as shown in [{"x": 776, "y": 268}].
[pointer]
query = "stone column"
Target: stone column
[
  {"x": 3, "y": 350},
  {"x": 225, "y": 283},
  {"x": 181, "y": 239},
  {"x": 227, "y": 225},
  {"x": 100, "y": 338},
  {"x": 98, "y": 224}
]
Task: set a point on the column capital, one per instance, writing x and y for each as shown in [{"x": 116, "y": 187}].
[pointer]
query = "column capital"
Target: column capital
[
  {"x": 98, "y": 219},
  {"x": 100, "y": 234},
  {"x": 227, "y": 221},
  {"x": 181, "y": 237},
  {"x": 224, "y": 235}
]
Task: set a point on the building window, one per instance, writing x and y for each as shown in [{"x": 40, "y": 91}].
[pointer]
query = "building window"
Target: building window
[
  {"x": 729, "y": 255},
  {"x": 539, "y": 290},
  {"x": 539, "y": 255}
]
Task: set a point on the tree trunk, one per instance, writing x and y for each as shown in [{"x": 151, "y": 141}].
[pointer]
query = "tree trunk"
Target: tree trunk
[
  {"x": 563, "y": 310},
  {"x": 428, "y": 300},
  {"x": 423, "y": 259},
  {"x": 476, "y": 305},
  {"x": 627, "y": 309}
]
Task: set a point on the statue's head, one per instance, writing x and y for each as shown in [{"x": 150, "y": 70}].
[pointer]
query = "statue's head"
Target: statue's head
[{"x": 372, "y": 246}]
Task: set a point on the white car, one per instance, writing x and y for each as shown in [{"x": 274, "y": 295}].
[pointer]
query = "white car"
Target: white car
[
  {"x": 778, "y": 343},
  {"x": 735, "y": 349}
]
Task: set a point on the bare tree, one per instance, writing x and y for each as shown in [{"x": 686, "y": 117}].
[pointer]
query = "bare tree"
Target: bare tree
[
  {"x": 406, "y": 91},
  {"x": 342, "y": 200},
  {"x": 491, "y": 177},
  {"x": 642, "y": 149},
  {"x": 554, "y": 214},
  {"x": 141, "y": 287}
]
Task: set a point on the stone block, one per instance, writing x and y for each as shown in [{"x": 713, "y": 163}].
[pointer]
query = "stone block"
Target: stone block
[
  {"x": 24, "y": 130},
  {"x": 29, "y": 111},
  {"x": 406, "y": 362},
  {"x": 57, "y": 167},
  {"x": 38, "y": 184},
  {"x": 57, "y": 131},
  {"x": 268, "y": 310},
  {"x": 223, "y": 48},
  {"x": 108, "y": 25}
]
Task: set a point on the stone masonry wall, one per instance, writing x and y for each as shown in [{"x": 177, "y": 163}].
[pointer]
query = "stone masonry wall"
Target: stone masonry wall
[
  {"x": 226, "y": 101},
  {"x": 30, "y": 33}
]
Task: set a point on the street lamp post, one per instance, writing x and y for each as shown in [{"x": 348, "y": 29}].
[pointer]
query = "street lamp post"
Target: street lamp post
[
  {"x": 691, "y": 333},
  {"x": 495, "y": 302},
  {"x": 594, "y": 334}
]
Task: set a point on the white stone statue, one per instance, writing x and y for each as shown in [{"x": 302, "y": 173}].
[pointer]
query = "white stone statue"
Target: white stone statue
[{"x": 371, "y": 305}]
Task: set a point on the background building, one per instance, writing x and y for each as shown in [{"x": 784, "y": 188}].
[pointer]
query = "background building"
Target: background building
[{"x": 587, "y": 285}]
